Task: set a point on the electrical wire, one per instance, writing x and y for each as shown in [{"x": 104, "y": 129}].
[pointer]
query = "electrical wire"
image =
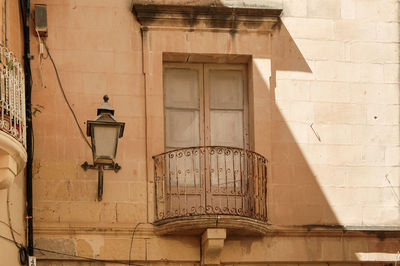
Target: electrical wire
[
  {"x": 133, "y": 235},
  {"x": 70, "y": 255},
  {"x": 41, "y": 47},
  {"x": 41, "y": 57},
  {"x": 65, "y": 97},
  {"x": 392, "y": 188},
  {"x": 23, "y": 253},
  {"x": 9, "y": 217},
  {"x": 6, "y": 224},
  {"x": 87, "y": 142}
]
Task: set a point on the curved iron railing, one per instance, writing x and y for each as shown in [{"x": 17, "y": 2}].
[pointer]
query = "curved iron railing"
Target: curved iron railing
[
  {"x": 210, "y": 180},
  {"x": 12, "y": 96}
]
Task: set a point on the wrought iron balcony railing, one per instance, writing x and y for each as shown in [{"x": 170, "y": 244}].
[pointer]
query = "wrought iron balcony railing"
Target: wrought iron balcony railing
[
  {"x": 210, "y": 180},
  {"x": 12, "y": 96}
]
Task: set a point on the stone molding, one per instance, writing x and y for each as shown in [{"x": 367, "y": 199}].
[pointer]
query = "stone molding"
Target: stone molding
[
  {"x": 188, "y": 227},
  {"x": 197, "y": 224},
  {"x": 51, "y": 229},
  {"x": 13, "y": 158},
  {"x": 338, "y": 246},
  {"x": 207, "y": 17},
  {"x": 246, "y": 226}
]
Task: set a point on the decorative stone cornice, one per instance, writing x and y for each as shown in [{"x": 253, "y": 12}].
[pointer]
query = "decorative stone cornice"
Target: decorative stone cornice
[{"x": 207, "y": 17}]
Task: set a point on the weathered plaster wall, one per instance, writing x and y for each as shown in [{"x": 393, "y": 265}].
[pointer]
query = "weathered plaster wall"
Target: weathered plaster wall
[
  {"x": 15, "y": 40},
  {"x": 9, "y": 252},
  {"x": 326, "y": 116}
]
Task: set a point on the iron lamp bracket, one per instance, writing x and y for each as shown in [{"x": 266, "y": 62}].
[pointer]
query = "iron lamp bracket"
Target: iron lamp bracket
[
  {"x": 100, "y": 167},
  {"x": 116, "y": 167}
]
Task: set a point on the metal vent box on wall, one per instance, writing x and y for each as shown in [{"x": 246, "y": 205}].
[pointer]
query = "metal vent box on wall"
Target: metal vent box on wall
[{"x": 41, "y": 20}]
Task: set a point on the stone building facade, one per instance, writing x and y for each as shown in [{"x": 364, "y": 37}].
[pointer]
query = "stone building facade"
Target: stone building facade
[
  {"x": 13, "y": 154},
  {"x": 256, "y": 132}
]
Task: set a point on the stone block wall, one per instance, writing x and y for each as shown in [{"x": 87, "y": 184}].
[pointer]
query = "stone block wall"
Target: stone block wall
[
  {"x": 326, "y": 111},
  {"x": 16, "y": 198},
  {"x": 340, "y": 104}
]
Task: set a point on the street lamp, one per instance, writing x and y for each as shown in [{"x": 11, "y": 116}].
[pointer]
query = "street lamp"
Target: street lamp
[{"x": 104, "y": 131}]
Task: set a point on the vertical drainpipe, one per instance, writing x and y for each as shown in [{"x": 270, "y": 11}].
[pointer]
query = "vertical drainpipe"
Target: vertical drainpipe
[{"x": 25, "y": 11}]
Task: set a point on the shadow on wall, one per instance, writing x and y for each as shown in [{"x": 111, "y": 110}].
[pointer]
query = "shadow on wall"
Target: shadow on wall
[{"x": 295, "y": 196}]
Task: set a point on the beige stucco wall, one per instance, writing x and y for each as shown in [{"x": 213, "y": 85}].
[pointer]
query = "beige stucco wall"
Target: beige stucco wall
[
  {"x": 15, "y": 40},
  {"x": 9, "y": 252},
  {"x": 326, "y": 109}
]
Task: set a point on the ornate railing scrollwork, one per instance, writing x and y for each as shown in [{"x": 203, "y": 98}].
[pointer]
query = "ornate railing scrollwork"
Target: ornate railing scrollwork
[
  {"x": 12, "y": 96},
  {"x": 210, "y": 180}
]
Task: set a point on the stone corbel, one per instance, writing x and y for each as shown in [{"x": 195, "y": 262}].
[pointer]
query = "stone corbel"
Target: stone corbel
[
  {"x": 8, "y": 170},
  {"x": 12, "y": 159},
  {"x": 212, "y": 242}
]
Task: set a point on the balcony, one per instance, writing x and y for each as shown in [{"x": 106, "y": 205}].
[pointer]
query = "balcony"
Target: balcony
[
  {"x": 12, "y": 118},
  {"x": 12, "y": 96},
  {"x": 210, "y": 186}
]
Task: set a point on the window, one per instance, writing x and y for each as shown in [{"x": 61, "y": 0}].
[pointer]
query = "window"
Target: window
[{"x": 205, "y": 105}]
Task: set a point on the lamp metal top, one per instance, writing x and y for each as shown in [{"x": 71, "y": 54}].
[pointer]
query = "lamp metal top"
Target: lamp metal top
[
  {"x": 105, "y": 117},
  {"x": 105, "y": 107}
]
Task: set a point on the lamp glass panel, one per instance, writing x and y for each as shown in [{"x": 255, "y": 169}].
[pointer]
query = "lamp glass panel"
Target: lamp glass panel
[{"x": 105, "y": 142}]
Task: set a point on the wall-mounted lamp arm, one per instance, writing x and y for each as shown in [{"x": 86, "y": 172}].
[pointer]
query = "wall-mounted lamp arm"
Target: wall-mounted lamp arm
[
  {"x": 104, "y": 131},
  {"x": 116, "y": 167},
  {"x": 100, "y": 167}
]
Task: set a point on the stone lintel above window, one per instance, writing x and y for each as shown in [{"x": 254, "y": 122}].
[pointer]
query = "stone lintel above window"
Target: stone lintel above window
[{"x": 207, "y": 17}]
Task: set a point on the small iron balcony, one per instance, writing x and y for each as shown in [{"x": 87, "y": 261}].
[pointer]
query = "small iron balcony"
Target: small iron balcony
[
  {"x": 12, "y": 96},
  {"x": 210, "y": 180}
]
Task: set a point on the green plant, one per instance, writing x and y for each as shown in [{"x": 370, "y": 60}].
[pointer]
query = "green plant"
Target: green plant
[
  {"x": 37, "y": 109},
  {"x": 33, "y": 111},
  {"x": 10, "y": 65}
]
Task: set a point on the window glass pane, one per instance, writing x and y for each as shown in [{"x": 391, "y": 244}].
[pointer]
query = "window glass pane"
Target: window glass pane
[
  {"x": 226, "y": 128},
  {"x": 226, "y": 89},
  {"x": 182, "y": 128},
  {"x": 181, "y": 88},
  {"x": 105, "y": 141}
]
